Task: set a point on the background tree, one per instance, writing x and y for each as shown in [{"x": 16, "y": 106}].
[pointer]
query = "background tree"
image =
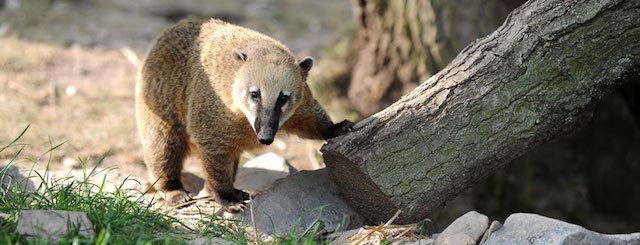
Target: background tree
[{"x": 401, "y": 43}]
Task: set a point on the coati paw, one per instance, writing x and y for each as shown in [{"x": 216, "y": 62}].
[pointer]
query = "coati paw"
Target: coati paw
[
  {"x": 176, "y": 197},
  {"x": 340, "y": 128},
  {"x": 231, "y": 201},
  {"x": 234, "y": 207}
]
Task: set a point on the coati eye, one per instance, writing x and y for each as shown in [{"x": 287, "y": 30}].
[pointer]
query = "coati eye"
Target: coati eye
[
  {"x": 255, "y": 95},
  {"x": 284, "y": 97}
]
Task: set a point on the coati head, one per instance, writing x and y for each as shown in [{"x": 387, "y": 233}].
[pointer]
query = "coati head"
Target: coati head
[{"x": 268, "y": 88}]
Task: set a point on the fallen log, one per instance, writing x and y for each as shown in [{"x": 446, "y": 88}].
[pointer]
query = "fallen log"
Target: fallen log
[{"x": 533, "y": 79}]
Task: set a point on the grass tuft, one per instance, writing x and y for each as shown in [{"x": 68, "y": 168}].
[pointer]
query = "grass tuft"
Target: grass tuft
[{"x": 118, "y": 217}]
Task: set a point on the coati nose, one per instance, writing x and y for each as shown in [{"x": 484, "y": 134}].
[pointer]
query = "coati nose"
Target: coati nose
[
  {"x": 267, "y": 125},
  {"x": 266, "y": 136},
  {"x": 266, "y": 141}
]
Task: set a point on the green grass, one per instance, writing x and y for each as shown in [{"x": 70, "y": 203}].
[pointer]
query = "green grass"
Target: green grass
[
  {"x": 311, "y": 235},
  {"x": 231, "y": 230},
  {"x": 118, "y": 217}
]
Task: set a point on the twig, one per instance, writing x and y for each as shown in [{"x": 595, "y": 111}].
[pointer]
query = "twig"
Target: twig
[
  {"x": 253, "y": 219},
  {"x": 195, "y": 200},
  {"x": 380, "y": 230},
  {"x": 368, "y": 233},
  {"x": 410, "y": 228},
  {"x": 393, "y": 218}
]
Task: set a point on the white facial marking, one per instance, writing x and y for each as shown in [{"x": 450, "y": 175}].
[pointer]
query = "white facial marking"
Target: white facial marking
[
  {"x": 239, "y": 98},
  {"x": 252, "y": 106},
  {"x": 285, "y": 116},
  {"x": 286, "y": 103},
  {"x": 252, "y": 120}
]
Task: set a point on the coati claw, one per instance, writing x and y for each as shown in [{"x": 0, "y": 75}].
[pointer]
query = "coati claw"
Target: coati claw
[
  {"x": 340, "y": 128},
  {"x": 231, "y": 202},
  {"x": 234, "y": 207},
  {"x": 177, "y": 197}
]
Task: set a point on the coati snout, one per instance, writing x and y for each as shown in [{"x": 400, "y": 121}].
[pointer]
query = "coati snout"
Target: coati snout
[{"x": 267, "y": 119}]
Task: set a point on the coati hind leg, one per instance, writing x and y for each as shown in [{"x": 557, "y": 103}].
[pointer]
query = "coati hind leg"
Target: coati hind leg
[
  {"x": 220, "y": 171},
  {"x": 165, "y": 146}
]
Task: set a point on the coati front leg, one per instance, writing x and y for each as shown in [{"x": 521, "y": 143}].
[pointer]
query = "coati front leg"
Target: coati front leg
[
  {"x": 312, "y": 122},
  {"x": 220, "y": 171}
]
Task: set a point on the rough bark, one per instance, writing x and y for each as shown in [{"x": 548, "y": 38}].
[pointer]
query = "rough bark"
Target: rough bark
[
  {"x": 530, "y": 81},
  {"x": 403, "y": 42}
]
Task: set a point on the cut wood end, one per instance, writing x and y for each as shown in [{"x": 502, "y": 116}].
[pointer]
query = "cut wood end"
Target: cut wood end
[{"x": 359, "y": 190}]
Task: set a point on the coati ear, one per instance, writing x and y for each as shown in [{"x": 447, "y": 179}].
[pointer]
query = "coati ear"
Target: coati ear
[
  {"x": 239, "y": 56},
  {"x": 305, "y": 65}
]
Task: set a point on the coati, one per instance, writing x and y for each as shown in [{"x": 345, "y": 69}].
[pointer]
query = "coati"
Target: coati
[{"x": 216, "y": 89}]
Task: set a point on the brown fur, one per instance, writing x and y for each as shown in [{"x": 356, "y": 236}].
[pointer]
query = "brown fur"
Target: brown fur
[{"x": 184, "y": 103}]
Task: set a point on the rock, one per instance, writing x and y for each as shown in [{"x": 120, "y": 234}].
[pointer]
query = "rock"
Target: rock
[
  {"x": 495, "y": 225},
  {"x": 53, "y": 224},
  {"x": 523, "y": 228},
  {"x": 633, "y": 238},
  {"x": 297, "y": 202},
  {"x": 258, "y": 174},
  {"x": 69, "y": 162},
  {"x": 15, "y": 179},
  {"x": 427, "y": 241},
  {"x": 411, "y": 241},
  {"x": 465, "y": 230},
  {"x": 209, "y": 241},
  {"x": 194, "y": 184},
  {"x": 343, "y": 237},
  {"x": 346, "y": 237}
]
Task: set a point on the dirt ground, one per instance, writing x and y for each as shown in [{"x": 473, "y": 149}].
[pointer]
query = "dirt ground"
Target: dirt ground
[{"x": 68, "y": 68}]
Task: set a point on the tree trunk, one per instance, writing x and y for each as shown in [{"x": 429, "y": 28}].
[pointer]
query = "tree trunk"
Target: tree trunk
[
  {"x": 526, "y": 83},
  {"x": 401, "y": 43}
]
